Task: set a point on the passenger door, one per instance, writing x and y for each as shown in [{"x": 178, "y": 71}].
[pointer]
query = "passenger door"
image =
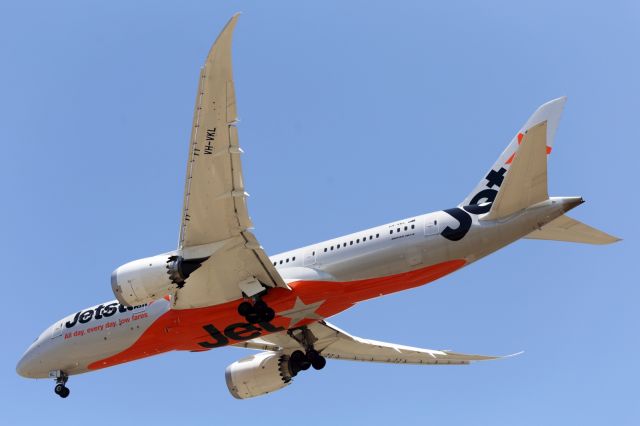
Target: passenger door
[{"x": 309, "y": 258}]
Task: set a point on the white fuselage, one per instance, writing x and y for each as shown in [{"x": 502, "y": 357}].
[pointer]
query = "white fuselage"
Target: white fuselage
[{"x": 79, "y": 340}]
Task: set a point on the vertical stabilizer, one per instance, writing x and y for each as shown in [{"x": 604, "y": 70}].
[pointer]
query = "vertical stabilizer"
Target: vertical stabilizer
[
  {"x": 525, "y": 183},
  {"x": 490, "y": 185}
]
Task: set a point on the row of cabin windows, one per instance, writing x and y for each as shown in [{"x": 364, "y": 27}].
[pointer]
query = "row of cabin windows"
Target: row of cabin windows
[
  {"x": 357, "y": 241},
  {"x": 284, "y": 261},
  {"x": 337, "y": 246},
  {"x": 406, "y": 228}
]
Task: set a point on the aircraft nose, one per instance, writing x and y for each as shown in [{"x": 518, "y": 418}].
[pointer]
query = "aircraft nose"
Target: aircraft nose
[
  {"x": 27, "y": 366},
  {"x": 22, "y": 368}
]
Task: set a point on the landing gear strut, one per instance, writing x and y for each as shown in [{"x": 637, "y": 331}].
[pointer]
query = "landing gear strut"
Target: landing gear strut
[
  {"x": 258, "y": 312},
  {"x": 301, "y": 361},
  {"x": 61, "y": 380}
]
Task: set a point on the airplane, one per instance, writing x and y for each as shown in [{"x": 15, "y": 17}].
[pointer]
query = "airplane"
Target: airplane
[{"x": 219, "y": 287}]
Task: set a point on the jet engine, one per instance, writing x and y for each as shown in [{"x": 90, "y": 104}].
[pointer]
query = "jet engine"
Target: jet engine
[
  {"x": 145, "y": 280},
  {"x": 258, "y": 374}
]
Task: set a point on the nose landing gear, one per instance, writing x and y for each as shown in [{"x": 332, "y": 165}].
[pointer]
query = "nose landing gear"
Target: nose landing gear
[{"x": 61, "y": 380}]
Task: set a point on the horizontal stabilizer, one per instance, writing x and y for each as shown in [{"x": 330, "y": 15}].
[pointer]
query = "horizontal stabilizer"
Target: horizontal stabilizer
[{"x": 567, "y": 229}]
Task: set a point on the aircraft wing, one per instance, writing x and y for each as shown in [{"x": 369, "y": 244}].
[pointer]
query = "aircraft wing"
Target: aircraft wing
[
  {"x": 335, "y": 343},
  {"x": 214, "y": 230}
]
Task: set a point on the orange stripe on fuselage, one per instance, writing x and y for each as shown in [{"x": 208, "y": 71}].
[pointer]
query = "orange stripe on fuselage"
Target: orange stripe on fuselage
[{"x": 183, "y": 329}]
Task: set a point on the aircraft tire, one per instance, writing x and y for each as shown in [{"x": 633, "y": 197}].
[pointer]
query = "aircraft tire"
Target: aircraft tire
[
  {"x": 245, "y": 308},
  {"x": 65, "y": 392}
]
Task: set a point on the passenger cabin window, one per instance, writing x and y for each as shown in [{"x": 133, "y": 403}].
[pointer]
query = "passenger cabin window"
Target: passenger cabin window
[
  {"x": 377, "y": 235},
  {"x": 390, "y": 231},
  {"x": 325, "y": 249},
  {"x": 293, "y": 259}
]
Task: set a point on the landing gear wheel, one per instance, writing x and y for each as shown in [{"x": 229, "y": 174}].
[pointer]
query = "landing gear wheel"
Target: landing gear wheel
[
  {"x": 245, "y": 308},
  {"x": 256, "y": 313},
  {"x": 260, "y": 306},
  {"x": 253, "y": 318},
  {"x": 297, "y": 357},
  {"x": 298, "y": 362},
  {"x": 61, "y": 390},
  {"x": 61, "y": 379},
  {"x": 317, "y": 361},
  {"x": 305, "y": 365},
  {"x": 269, "y": 315},
  {"x": 65, "y": 392}
]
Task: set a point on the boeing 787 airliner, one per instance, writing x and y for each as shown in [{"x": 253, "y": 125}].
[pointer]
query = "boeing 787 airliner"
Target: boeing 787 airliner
[{"x": 219, "y": 287}]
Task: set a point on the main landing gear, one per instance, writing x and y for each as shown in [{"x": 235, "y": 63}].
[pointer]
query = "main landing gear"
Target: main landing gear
[
  {"x": 301, "y": 361},
  {"x": 257, "y": 312},
  {"x": 61, "y": 380}
]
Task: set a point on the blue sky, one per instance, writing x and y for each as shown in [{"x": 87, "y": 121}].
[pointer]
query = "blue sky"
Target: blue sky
[{"x": 353, "y": 114}]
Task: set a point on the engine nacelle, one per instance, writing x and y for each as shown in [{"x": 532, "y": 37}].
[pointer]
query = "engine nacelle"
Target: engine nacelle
[
  {"x": 258, "y": 375},
  {"x": 146, "y": 280}
]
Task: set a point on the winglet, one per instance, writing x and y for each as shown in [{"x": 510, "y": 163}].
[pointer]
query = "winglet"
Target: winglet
[
  {"x": 512, "y": 355},
  {"x": 224, "y": 38}
]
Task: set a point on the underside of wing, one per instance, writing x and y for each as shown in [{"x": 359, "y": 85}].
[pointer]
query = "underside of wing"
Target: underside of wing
[
  {"x": 335, "y": 343},
  {"x": 215, "y": 221},
  {"x": 214, "y": 198}
]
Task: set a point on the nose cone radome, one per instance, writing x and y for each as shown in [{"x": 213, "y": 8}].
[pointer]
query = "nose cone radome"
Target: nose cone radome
[
  {"x": 24, "y": 366},
  {"x": 29, "y": 365}
]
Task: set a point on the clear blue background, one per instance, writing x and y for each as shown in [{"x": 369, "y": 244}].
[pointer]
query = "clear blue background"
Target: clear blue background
[{"x": 353, "y": 114}]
